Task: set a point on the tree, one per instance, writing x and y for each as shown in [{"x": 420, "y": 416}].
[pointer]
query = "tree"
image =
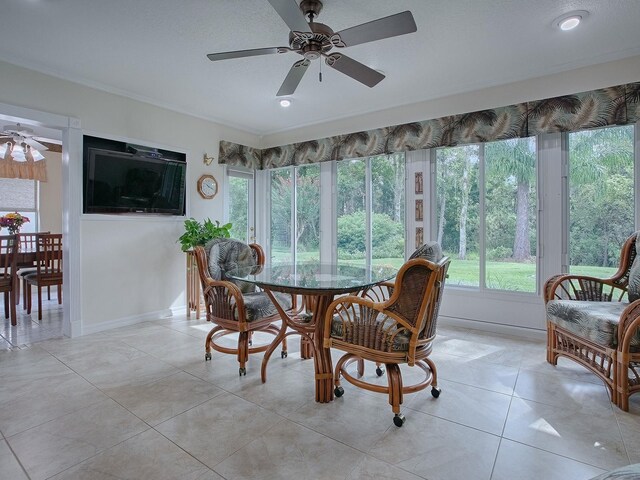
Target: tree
[
  {"x": 516, "y": 158},
  {"x": 601, "y": 192}
]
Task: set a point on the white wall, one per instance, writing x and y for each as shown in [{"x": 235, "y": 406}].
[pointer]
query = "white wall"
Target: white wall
[
  {"x": 50, "y": 195},
  {"x": 130, "y": 267}
]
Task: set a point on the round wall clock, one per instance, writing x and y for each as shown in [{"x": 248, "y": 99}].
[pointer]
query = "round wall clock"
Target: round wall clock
[{"x": 207, "y": 186}]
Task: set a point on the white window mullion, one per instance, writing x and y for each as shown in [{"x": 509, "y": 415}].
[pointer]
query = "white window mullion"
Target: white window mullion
[
  {"x": 328, "y": 214},
  {"x": 294, "y": 216},
  {"x": 368, "y": 205},
  {"x": 636, "y": 174},
  {"x": 482, "y": 218}
]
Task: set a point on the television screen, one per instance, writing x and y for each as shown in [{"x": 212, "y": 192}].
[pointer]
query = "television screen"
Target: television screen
[{"x": 119, "y": 182}]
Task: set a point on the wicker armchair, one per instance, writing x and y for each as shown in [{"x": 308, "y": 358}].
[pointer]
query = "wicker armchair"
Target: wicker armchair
[
  {"x": 234, "y": 306},
  {"x": 596, "y": 323},
  {"x": 399, "y": 330}
]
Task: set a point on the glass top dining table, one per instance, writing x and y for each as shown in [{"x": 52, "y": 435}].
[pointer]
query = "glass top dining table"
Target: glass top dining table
[
  {"x": 317, "y": 284},
  {"x": 313, "y": 277}
]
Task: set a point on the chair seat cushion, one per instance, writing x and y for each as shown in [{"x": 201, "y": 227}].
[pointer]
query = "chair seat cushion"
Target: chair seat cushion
[
  {"x": 26, "y": 271},
  {"x": 593, "y": 321},
  {"x": 378, "y": 335},
  {"x": 628, "y": 472},
  {"x": 258, "y": 305}
]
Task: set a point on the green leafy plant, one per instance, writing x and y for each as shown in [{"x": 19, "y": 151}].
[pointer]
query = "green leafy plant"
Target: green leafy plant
[{"x": 196, "y": 233}]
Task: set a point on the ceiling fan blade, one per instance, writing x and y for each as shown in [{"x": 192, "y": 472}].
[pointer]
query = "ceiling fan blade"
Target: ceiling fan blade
[
  {"x": 34, "y": 144},
  {"x": 354, "y": 69},
  {"x": 289, "y": 11},
  {"x": 17, "y": 128},
  {"x": 385, "y": 27},
  {"x": 294, "y": 76},
  {"x": 245, "y": 53}
]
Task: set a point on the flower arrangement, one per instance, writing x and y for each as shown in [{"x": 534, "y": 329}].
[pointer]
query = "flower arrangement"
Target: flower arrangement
[{"x": 13, "y": 222}]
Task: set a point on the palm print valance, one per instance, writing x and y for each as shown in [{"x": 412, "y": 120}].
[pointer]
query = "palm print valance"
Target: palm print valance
[{"x": 618, "y": 105}]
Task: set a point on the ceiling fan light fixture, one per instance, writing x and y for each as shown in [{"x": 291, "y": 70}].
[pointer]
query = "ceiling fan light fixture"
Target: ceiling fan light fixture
[
  {"x": 17, "y": 152},
  {"x": 285, "y": 103},
  {"x": 570, "y": 20},
  {"x": 36, "y": 154}
]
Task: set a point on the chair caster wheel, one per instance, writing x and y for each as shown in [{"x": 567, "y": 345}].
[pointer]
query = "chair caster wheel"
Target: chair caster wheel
[
  {"x": 435, "y": 391},
  {"x": 379, "y": 371},
  {"x": 242, "y": 371},
  {"x": 399, "y": 420},
  {"x": 338, "y": 391},
  {"x": 283, "y": 354},
  {"x": 207, "y": 356}
]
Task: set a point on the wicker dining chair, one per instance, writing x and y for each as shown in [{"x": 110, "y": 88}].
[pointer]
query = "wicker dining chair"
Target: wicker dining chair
[
  {"x": 394, "y": 331},
  {"x": 8, "y": 246},
  {"x": 236, "y": 306},
  {"x": 48, "y": 269}
]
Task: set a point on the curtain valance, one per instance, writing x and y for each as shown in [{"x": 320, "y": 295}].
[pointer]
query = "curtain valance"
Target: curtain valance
[
  {"x": 28, "y": 169},
  {"x": 619, "y": 105}
]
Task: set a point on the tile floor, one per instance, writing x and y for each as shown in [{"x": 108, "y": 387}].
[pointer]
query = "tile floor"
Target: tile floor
[
  {"x": 29, "y": 329},
  {"x": 141, "y": 403}
]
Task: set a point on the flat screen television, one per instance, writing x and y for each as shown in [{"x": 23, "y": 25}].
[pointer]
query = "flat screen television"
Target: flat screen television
[{"x": 120, "y": 182}]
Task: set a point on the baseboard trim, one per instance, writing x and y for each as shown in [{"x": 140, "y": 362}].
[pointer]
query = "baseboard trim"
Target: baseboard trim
[
  {"x": 125, "y": 321},
  {"x": 524, "y": 332}
]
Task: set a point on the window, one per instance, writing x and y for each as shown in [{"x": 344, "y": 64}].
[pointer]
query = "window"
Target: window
[
  {"x": 601, "y": 198},
  {"x": 240, "y": 191},
  {"x": 18, "y": 195},
  {"x": 368, "y": 216},
  {"x": 371, "y": 210},
  {"x": 486, "y": 218},
  {"x": 281, "y": 220},
  {"x": 307, "y": 213},
  {"x": 295, "y": 237},
  {"x": 458, "y": 212},
  {"x": 510, "y": 214},
  {"x": 388, "y": 210}
]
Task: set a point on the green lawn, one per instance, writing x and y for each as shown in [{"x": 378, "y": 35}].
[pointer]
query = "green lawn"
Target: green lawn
[{"x": 512, "y": 276}]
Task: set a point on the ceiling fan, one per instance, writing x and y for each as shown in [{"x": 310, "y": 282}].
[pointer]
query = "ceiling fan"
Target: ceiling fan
[
  {"x": 313, "y": 40},
  {"x": 22, "y": 139},
  {"x": 20, "y": 134}
]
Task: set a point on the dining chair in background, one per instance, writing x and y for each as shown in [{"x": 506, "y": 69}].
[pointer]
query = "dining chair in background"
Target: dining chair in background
[
  {"x": 48, "y": 268},
  {"x": 8, "y": 246},
  {"x": 25, "y": 264}
]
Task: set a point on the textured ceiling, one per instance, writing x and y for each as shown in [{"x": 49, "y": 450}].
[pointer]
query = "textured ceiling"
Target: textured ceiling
[{"x": 154, "y": 50}]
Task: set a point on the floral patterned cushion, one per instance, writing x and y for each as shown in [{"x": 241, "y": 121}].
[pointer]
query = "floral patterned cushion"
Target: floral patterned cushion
[
  {"x": 594, "y": 321},
  {"x": 429, "y": 251},
  {"x": 258, "y": 305},
  {"x": 226, "y": 254},
  {"x": 370, "y": 335},
  {"x": 633, "y": 287},
  {"x": 628, "y": 472}
]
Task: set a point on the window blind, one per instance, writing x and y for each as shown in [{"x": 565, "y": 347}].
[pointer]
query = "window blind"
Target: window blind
[{"x": 17, "y": 194}]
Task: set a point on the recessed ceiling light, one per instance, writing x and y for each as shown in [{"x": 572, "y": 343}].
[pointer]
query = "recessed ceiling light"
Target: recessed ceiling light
[
  {"x": 285, "y": 103},
  {"x": 570, "y": 20}
]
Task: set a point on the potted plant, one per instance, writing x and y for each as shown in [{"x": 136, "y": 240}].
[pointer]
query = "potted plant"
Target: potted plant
[{"x": 196, "y": 233}]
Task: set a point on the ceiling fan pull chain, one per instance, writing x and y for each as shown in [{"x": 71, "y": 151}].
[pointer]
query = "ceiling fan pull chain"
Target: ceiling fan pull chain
[{"x": 320, "y": 73}]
